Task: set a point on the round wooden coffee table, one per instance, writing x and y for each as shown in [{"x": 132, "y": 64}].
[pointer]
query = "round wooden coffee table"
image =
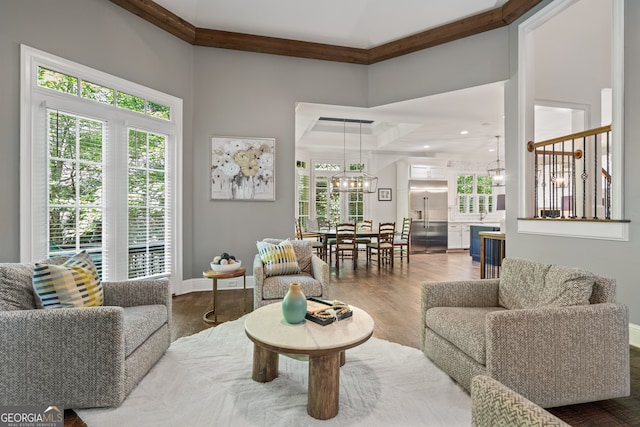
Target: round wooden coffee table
[{"x": 325, "y": 346}]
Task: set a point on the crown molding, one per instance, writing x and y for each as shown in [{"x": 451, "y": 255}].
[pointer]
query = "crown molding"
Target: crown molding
[{"x": 476, "y": 24}]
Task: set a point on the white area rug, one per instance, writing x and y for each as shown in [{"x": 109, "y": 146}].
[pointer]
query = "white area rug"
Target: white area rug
[{"x": 205, "y": 380}]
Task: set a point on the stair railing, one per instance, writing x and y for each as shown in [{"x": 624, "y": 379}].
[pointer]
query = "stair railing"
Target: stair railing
[{"x": 573, "y": 176}]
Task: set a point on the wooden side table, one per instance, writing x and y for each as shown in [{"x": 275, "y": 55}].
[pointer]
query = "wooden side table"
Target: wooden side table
[{"x": 214, "y": 275}]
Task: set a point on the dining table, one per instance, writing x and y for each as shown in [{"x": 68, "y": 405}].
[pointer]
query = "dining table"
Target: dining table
[{"x": 325, "y": 235}]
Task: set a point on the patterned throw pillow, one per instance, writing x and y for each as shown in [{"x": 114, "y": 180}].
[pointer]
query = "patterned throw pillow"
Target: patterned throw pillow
[
  {"x": 72, "y": 284},
  {"x": 278, "y": 259}
]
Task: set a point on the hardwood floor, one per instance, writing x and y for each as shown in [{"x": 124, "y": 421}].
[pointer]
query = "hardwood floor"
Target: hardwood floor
[{"x": 392, "y": 297}]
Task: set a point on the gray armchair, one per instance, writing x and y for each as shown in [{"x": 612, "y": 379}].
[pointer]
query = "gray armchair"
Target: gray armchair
[
  {"x": 494, "y": 404},
  {"x": 79, "y": 357},
  {"x": 313, "y": 276},
  {"x": 553, "y": 334}
]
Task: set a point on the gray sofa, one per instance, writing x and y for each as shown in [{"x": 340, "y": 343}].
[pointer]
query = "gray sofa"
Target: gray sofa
[
  {"x": 553, "y": 334},
  {"x": 313, "y": 276},
  {"x": 79, "y": 357},
  {"x": 493, "y": 404}
]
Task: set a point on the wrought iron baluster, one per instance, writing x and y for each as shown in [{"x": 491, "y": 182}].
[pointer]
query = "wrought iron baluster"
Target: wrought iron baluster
[
  {"x": 584, "y": 177},
  {"x": 563, "y": 184},
  {"x": 608, "y": 180},
  {"x": 595, "y": 176},
  {"x": 535, "y": 188},
  {"x": 554, "y": 183},
  {"x": 574, "y": 208},
  {"x": 544, "y": 183}
]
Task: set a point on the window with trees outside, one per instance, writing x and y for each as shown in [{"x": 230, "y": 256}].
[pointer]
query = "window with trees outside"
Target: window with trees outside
[
  {"x": 103, "y": 176},
  {"x": 334, "y": 206},
  {"x": 475, "y": 194},
  {"x": 303, "y": 200}
]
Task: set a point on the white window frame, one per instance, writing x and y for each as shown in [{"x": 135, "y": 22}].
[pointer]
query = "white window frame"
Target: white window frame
[
  {"x": 34, "y": 170},
  {"x": 475, "y": 196},
  {"x": 344, "y": 197}
]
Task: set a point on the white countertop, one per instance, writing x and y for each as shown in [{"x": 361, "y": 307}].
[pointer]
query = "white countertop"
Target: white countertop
[{"x": 485, "y": 224}]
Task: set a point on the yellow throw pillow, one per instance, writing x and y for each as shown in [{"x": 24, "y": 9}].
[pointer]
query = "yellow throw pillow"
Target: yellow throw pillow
[
  {"x": 72, "y": 284},
  {"x": 278, "y": 259}
]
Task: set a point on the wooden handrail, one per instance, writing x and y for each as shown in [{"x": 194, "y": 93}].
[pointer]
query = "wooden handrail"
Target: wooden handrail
[
  {"x": 577, "y": 153},
  {"x": 533, "y": 145}
]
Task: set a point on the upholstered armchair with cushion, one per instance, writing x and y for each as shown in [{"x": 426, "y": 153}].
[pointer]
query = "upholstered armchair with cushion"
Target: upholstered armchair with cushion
[
  {"x": 78, "y": 357},
  {"x": 494, "y": 404},
  {"x": 271, "y": 283},
  {"x": 553, "y": 334}
]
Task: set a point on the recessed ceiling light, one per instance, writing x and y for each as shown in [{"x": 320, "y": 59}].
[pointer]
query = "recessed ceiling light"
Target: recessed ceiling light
[
  {"x": 464, "y": 132},
  {"x": 427, "y": 146},
  {"x": 492, "y": 149}
]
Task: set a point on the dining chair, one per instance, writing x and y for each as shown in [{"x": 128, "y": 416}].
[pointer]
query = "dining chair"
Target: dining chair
[
  {"x": 364, "y": 226},
  {"x": 383, "y": 247},
  {"x": 346, "y": 242},
  {"x": 403, "y": 242},
  {"x": 316, "y": 245},
  {"x": 325, "y": 225}
]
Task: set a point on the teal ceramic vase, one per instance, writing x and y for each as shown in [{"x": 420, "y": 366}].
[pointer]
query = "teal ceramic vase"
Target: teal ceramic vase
[{"x": 294, "y": 304}]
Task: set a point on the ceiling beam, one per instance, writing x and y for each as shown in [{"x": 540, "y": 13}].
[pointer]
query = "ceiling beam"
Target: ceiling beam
[
  {"x": 476, "y": 24},
  {"x": 160, "y": 17},
  {"x": 514, "y": 9},
  {"x": 278, "y": 46}
]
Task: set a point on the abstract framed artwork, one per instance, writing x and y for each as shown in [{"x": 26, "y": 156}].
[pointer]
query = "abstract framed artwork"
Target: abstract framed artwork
[
  {"x": 243, "y": 168},
  {"x": 384, "y": 194}
]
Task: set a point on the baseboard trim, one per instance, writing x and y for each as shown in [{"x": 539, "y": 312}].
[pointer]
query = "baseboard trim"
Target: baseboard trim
[
  {"x": 634, "y": 335},
  {"x": 202, "y": 284}
]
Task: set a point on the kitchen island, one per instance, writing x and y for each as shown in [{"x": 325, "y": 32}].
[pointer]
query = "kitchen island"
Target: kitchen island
[{"x": 474, "y": 231}]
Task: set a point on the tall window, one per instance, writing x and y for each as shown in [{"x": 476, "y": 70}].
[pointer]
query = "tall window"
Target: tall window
[
  {"x": 334, "y": 206},
  {"x": 103, "y": 177},
  {"x": 147, "y": 209},
  {"x": 327, "y": 203},
  {"x": 303, "y": 200},
  {"x": 75, "y": 184}
]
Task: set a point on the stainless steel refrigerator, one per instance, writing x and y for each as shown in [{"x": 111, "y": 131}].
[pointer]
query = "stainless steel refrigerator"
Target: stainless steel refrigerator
[{"x": 428, "y": 207}]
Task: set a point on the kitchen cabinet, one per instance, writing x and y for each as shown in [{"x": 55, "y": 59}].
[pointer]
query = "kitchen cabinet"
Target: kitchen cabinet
[
  {"x": 455, "y": 235},
  {"x": 459, "y": 235},
  {"x": 466, "y": 236}
]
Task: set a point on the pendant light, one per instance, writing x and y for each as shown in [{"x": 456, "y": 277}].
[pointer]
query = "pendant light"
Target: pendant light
[
  {"x": 352, "y": 181},
  {"x": 496, "y": 169}
]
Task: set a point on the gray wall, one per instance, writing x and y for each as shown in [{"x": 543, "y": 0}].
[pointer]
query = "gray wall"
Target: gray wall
[
  {"x": 246, "y": 94},
  {"x": 98, "y": 34},
  {"x": 609, "y": 258},
  {"x": 472, "y": 61}
]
